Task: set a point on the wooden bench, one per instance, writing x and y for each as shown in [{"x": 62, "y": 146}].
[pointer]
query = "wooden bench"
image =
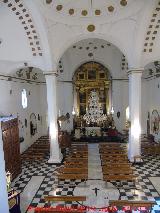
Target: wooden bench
[
  {"x": 73, "y": 170},
  {"x": 132, "y": 178},
  {"x": 64, "y": 198},
  {"x": 115, "y": 171},
  {"x": 107, "y": 152},
  {"x": 62, "y": 176},
  {"x": 50, "y": 199},
  {"x": 77, "y": 160},
  {"x": 114, "y": 155},
  {"x": 132, "y": 204},
  {"x": 77, "y": 164},
  {"x": 119, "y": 164},
  {"x": 113, "y": 160}
]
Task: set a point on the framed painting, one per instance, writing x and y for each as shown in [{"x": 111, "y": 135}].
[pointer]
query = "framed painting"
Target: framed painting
[
  {"x": 91, "y": 75},
  {"x": 155, "y": 118}
]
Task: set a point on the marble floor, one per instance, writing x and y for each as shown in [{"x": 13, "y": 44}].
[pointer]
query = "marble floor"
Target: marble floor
[{"x": 41, "y": 177}]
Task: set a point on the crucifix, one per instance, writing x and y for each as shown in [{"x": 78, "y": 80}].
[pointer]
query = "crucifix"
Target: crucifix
[{"x": 96, "y": 191}]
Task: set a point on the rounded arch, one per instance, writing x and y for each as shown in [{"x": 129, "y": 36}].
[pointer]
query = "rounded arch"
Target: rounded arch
[
  {"x": 110, "y": 39},
  {"x": 151, "y": 60}
]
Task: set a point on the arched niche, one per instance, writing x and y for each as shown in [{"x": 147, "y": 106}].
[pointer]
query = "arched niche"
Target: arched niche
[{"x": 33, "y": 124}]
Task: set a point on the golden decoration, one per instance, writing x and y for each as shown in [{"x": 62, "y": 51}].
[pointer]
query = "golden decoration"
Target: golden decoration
[
  {"x": 59, "y": 7},
  {"x": 84, "y": 12},
  {"x": 91, "y": 28},
  {"x": 123, "y": 2},
  {"x": 97, "y": 12},
  {"x": 110, "y": 8},
  {"x": 48, "y": 1},
  {"x": 71, "y": 11}
]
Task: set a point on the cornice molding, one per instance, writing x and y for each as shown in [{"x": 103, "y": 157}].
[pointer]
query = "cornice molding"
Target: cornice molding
[
  {"x": 135, "y": 70},
  {"x": 50, "y": 73}
]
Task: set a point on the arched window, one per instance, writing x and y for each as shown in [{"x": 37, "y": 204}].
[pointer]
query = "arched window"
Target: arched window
[
  {"x": 24, "y": 99},
  {"x": 127, "y": 113}
]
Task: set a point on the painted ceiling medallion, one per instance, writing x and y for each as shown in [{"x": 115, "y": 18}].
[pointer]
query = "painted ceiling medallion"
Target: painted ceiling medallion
[
  {"x": 71, "y": 11},
  {"x": 97, "y": 12},
  {"x": 48, "y": 1},
  {"x": 110, "y": 8},
  {"x": 91, "y": 28},
  {"x": 84, "y": 12},
  {"x": 59, "y": 7},
  {"x": 123, "y": 2}
]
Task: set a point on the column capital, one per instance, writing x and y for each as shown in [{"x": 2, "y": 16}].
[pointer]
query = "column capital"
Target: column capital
[
  {"x": 135, "y": 70},
  {"x": 51, "y": 73}
]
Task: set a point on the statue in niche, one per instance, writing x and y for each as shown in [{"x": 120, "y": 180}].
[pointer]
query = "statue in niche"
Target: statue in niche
[
  {"x": 63, "y": 122},
  {"x": 155, "y": 121},
  {"x": 33, "y": 124}
]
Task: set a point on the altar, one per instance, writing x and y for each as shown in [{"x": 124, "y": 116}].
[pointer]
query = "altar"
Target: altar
[{"x": 93, "y": 131}]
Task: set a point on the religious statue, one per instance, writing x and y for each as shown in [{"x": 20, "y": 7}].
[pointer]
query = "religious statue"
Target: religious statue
[
  {"x": 8, "y": 179},
  {"x": 63, "y": 122}
]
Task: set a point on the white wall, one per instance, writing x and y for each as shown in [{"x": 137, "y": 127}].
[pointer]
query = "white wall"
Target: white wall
[
  {"x": 11, "y": 104},
  {"x": 120, "y": 101},
  {"x": 150, "y": 99}
]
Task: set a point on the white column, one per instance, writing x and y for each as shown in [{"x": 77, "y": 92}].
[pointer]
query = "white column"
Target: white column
[
  {"x": 3, "y": 185},
  {"x": 135, "y": 112},
  {"x": 55, "y": 152}
]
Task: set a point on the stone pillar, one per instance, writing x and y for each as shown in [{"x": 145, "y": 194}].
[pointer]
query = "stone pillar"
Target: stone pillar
[
  {"x": 55, "y": 152},
  {"x": 3, "y": 184},
  {"x": 135, "y": 112}
]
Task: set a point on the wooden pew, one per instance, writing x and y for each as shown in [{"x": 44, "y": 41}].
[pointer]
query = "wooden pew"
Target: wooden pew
[
  {"x": 63, "y": 199},
  {"x": 62, "y": 176},
  {"x": 132, "y": 178},
  {"x": 76, "y": 164},
  {"x": 115, "y": 167},
  {"x": 76, "y": 160},
  {"x": 117, "y": 171},
  {"x": 72, "y": 170},
  {"x": 113, "y": 160},
  {"x": 82, "y": 166},
  {"x": 119, "y": 164},
  {"x": 132, "y": 203},
  {"x": 114, "y": 155},
  {"x": 107, "y": 152}
]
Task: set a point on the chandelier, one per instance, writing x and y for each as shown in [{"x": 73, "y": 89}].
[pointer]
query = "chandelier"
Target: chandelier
[{"x": 94, "y": 113}]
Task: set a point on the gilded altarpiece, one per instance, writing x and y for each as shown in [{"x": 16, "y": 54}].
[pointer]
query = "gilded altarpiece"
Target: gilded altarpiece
[{"x": 92, "y": 76}]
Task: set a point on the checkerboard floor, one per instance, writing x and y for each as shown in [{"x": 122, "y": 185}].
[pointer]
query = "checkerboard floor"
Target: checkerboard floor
[{"x": 144, "y": 189}]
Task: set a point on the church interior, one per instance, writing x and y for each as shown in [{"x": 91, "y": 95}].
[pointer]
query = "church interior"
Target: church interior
[{"x": 80, "y": 106}]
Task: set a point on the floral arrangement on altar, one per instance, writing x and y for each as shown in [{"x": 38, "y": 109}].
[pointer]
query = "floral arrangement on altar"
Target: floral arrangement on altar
[{"x": 93, "y": 132}]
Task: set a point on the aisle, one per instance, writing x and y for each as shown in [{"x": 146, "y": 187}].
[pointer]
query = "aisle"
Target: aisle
[
  {"x": 97, "y": 191},
  {"x": 94, "y": 162}
]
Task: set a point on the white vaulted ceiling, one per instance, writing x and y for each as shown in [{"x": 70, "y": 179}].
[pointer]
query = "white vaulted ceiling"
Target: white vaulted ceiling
[{"x": 82, "y": 12}]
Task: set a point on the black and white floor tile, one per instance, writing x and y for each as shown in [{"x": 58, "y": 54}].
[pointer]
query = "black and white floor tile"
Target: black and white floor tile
[{"x": 144, "y": 189}]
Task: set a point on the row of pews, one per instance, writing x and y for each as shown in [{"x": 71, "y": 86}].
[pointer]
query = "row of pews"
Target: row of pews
[
  {"x": 149, "y": 146},
  {"x": 75, "y": 164},
  {"x": 114, "y": 205},
  {"x": 115, "y": 164},
  {"x": 37, "y": 151}
]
